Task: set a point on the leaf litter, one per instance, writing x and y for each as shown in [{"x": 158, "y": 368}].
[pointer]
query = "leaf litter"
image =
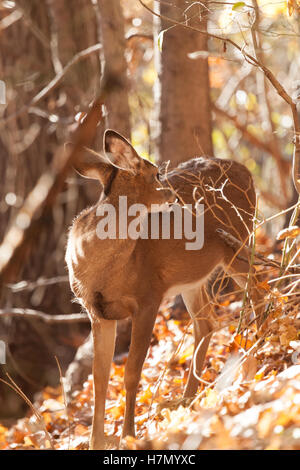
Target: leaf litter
[{"x": 248, "y": 397}]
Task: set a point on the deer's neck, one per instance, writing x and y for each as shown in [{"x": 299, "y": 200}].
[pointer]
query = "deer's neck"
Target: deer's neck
[{"x": 122, "y": 217}]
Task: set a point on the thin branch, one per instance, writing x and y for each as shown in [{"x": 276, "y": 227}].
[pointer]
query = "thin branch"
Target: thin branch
[
  {"x": 10, "y": 19},
  {"x": 274, "y": 143},
  {"x": 36, "y": 31},
  {"x": 232, "y": 85},
  {"x": 27, "y": 313},
  {"x": 53, "y": 84},
  {"x": 35, "y": 411},
  {"x": 277, "y": 85},
  {"x": 269, "y": 75},
  {"x": 37, "y": 208},
  {"x": 243, "y": 129},
  {"x": 28, "y": 285},
  {"x": 65, "y": 400},
  {"x": 234, "y": 243}
]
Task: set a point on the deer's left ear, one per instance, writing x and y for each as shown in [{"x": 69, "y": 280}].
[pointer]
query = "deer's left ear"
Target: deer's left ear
[
  {"x": 91, "y": 164},
  {"x": 120, "y": 152}
]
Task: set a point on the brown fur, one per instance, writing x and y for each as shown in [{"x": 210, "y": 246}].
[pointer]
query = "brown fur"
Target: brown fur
[{"x": 114, "y": 279}]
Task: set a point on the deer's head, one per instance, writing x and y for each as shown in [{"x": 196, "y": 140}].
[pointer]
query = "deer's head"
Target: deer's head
[{"x": 122, "y": 171}]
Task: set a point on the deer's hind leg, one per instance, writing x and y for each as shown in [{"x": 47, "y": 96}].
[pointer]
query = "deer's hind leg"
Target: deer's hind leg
[
  {"x": 142, "y": 327},
  {"x": 199, "y": 307},
  {"x": 239, "y": 270}
]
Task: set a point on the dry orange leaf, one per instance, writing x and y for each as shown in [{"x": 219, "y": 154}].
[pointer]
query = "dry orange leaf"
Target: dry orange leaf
[
  {"x": 225, "y": 303},
  {"x": 291, "y": 334},
  {"x": 290, "y": 232},
  {"x": 146, "y": 396},
  {"x": 116, "y": 412},
  {"x": 118, "y": 370},
  {"x": 238, "y": 342},
  {"x": 249, "y": 368},
  {"x": 264, "y": 285}
]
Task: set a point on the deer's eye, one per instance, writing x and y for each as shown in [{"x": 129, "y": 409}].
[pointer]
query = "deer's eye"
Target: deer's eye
[{"x": 158, "y": 176}]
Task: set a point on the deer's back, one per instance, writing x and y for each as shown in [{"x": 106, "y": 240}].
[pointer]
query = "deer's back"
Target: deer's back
[
  {"x": 114, "y": 276},
  {"x": 225, "y": 187}
]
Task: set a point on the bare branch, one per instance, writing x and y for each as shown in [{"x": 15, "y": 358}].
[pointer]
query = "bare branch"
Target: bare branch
[
  {"x": 269, "y": 75},
  {"x": 53, "y": 84},
  {"x": 33, "y": 216},
  {"x": 27, "y": 285},
  {"x": 10, "y": 19},
  {"x": 243, "y": 129},
  {"x": 277, "y": 85},
  {"x": 273, "y": 143},
  {"x": 234, "y": 243},
  {"x": 27, "y": 313}
]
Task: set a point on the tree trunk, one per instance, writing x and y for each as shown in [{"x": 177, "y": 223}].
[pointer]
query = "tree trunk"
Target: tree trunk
[
  {"x": 33, "y": 50},
  {"x": 183, "y": 112}
]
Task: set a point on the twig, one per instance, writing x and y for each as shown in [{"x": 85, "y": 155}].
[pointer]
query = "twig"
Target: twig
[
  {"x": 243, "y": 129},
  {"x": 37, "y": 209},
  {"x": 10, "y": 19},
  {"x": 65, "y": 400},
  {"x": 249, "y": 276},
  {"x": 273, "y": 143},
  {"x": 36, "y": 31},
  {"x": 234, "y": 243},
  {"x": 36, "y": 413},
  {"x": 268, "y": 74},
  {"x": 27, "y": 313},
  {"x": 28, "y": 285},
  {"x": 280, "y": 89}
]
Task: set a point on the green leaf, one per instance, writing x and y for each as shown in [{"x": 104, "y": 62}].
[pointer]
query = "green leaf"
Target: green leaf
[
  {"x": 160, "y": 39},
  {"x": 238, "y": 5}
]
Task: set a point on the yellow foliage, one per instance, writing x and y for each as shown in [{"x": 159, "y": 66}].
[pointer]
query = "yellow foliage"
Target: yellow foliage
[
  {"x": 272, "y": 8},
  {"x": 211, "y": 400},
  {"x": 149, "y": 76},
  {"x": 293, "y": 5},
  {"x": 187, "y": 354}
]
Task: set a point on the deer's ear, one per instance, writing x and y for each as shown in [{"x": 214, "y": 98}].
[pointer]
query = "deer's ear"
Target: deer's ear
[
  {"x": 120, "y": 152},
  {"x": 91, "y": 164}
]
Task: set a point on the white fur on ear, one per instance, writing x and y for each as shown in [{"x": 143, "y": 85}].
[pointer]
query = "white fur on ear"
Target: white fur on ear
[
  {"x": 120, "y": 152},
  {"x": 116, "y": 161},
  {"x": 91, "y": 164}
]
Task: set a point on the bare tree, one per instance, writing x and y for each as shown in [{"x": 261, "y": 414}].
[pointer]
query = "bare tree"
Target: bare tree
[
  {"x": 28, "y": 140},
  {"x": 183, "y": 111}
]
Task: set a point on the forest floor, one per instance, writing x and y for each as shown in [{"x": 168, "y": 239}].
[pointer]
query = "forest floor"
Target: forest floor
[
  {"x": 248, "y": 398},
  {"x": 253, "y": 404}
]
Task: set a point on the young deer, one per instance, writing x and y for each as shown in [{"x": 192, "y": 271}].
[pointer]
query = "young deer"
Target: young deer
[{"x": 122, "y": 277}]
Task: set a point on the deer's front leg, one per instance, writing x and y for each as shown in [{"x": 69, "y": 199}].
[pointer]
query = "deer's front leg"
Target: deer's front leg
[
  {"x": 142, "y": 327},
  {"x": 104, "y": 334}
]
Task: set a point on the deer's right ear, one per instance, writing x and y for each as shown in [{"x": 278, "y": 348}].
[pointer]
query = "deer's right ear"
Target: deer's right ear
[{"x": 91, "y": 164}]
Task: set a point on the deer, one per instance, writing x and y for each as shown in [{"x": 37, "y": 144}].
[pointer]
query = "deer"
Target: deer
[{"x": 117, "y": 278}]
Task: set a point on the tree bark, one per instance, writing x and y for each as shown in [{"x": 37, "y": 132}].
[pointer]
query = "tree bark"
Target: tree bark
[
  {"x": 32, "y": 51},
  {"x": 183, "y": 111}
]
